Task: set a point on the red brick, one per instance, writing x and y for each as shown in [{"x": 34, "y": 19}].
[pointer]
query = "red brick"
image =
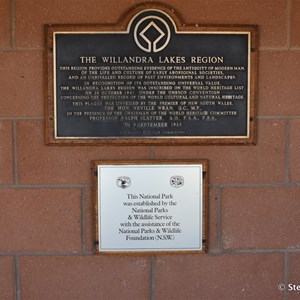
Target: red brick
[
  {"x": 260, "y": 218},
  {"x": 21, "y": 80},
  {"x": 6, "y": 153},
  {"x": 89, "y": 278},
  {"x": 40, "y": 220},
  {"x": 278, "y": 84},
  {"x": 238, "y": 276},
  {"x": 294, "y": 277},
  {"x": 239, "y": 164},
  {"x": 273, "y": 24},
  {"x": 295, "y": 23},
  {"x": 40, "y": 164},
  {"x": 30, "y": 23},
  {"x": 5, "y": 23},
  {"x": 294, "y": 159},
  {"x": 6, "y": 278}
]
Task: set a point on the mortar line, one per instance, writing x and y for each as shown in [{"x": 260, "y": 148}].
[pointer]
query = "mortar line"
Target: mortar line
[
  {"x": 15, "y": 153},
  {"x": 287, "y": 152},
  {"x": 219, "y": 219},
  {"x": 21, "y": 49},
  {"x": 43, "y": 186},
  {"x": 288, "y": 35},
  {"x": 47, "y": 253},
  {"x": 283, "y": 48},
  {"x": 212, "y": 252},
  {"x": 20, "y": 118},
  {"x": 278, "y": 117},
  {"x": 286, "y": 274},
  {"x": 251, "y": 185},
  {"x": 6, "y": 49},
  {"x": 83, "y": 220},
  {"x": 13, "y": 24},
  {"x": 17, "y": 277},
  {"x": 260, "y": 251},
  {"x": 279, "y": 49}
]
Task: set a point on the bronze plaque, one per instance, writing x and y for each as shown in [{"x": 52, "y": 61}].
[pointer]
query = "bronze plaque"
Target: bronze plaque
[{"x": 151, "y": 79}]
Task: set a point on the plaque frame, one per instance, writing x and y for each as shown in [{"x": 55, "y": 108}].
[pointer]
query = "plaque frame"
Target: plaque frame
[
  {"x": 122, "y": 26},
  {"x": 203, "y": 217}
]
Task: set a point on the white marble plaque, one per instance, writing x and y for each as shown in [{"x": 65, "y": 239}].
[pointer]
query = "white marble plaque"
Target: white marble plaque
[{"x": 150, "y": 207}]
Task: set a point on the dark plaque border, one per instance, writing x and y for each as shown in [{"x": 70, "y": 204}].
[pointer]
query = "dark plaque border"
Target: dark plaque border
[{"x": 123, "y": 26}]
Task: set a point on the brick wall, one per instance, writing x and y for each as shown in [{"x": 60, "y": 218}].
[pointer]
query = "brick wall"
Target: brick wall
[{"x": 45, "y": 192}]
